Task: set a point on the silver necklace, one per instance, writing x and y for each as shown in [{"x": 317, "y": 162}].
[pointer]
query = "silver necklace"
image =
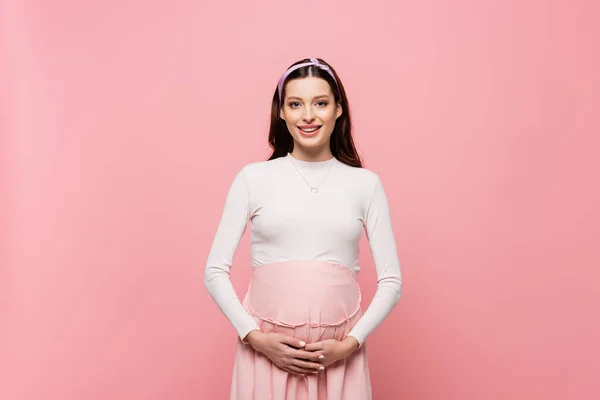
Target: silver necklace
[{"x": 314, "y": 189}]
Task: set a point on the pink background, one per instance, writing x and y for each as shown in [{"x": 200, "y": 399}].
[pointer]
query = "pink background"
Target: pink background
[{"x": 124, "y": 122}]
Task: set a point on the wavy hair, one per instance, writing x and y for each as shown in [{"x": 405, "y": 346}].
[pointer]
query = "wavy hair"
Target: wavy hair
[{"x": 341, "y": 142}]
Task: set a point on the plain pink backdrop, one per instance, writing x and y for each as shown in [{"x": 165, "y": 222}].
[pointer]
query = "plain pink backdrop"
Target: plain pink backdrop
[{"x": 124, "y": 122}]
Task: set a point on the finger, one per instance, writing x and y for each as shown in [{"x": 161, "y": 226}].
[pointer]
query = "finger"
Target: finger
[
  {"x": 290, "y": 341},
  {"x": 314, "y": 346},
  {"x": 316, "y": 356},
  {"x": 307, "y": 365},
  {"x": 299, "y": 370},
  {"x": 288, "y": 370}
]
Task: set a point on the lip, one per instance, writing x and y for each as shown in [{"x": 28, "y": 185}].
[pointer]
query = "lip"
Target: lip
[{"x": 309, "y": 134}]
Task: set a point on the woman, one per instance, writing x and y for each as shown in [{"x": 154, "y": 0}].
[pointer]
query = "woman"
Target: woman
[{"x": 301, "y": 327}]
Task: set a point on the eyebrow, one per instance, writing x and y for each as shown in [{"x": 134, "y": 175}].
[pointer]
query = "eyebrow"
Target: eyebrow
[{"x": 316, "y": 97}]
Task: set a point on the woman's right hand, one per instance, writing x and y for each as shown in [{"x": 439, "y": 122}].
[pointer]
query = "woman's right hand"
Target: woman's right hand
[{"x": 286, "y": 352}]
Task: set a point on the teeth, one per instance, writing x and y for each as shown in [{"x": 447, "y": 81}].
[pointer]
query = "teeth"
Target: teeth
[{"x": 309, "y": 129}]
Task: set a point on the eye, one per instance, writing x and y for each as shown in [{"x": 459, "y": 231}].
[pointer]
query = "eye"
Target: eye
[{"x": 293, "y": 103}]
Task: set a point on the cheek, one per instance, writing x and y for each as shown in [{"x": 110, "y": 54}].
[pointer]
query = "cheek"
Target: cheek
[{"x": 328, "y": 115}]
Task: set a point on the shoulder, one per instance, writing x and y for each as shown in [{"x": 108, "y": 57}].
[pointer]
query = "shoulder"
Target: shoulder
[
  {"x": 258, "y": 167},
  {"x": 258, "y": 171},
  {"x": 360, "y": 176}
]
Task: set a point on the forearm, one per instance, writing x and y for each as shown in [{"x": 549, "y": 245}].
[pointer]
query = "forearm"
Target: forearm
[
  {"x": 220, "y": 288},
  {"x": 386, "y": 297}
]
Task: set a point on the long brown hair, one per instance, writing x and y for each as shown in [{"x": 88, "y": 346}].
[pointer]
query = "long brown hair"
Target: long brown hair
[{"x": 341, "y": 144}]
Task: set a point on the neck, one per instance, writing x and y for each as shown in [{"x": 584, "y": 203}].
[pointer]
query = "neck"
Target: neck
[{"x": 312, "y": 156}]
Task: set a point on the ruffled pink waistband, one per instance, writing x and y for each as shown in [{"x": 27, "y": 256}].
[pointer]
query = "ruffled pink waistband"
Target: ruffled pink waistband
[{"x": 303, "y": 293}]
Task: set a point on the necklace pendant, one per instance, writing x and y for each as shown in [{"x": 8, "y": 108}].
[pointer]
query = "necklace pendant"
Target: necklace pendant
[{"x": 314, "y": 189}]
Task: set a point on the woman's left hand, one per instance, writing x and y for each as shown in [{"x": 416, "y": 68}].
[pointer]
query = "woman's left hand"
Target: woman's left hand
[{"x": 333, "y": 350}]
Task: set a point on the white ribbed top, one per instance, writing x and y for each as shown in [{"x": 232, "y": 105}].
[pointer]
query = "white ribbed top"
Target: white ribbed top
[{"x": 289, "y": 222}]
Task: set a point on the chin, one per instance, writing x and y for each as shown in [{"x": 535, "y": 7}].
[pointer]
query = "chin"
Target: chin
[{"x": 312, "y": 142}]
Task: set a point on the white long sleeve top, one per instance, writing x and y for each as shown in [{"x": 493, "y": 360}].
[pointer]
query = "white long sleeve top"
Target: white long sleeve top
[{"x": 289, "y": 222}]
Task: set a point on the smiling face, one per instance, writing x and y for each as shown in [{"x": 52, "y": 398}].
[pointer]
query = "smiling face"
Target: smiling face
[{"x": 310, "y": 112}]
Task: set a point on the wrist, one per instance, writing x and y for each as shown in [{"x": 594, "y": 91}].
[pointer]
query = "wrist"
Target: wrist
[
  {"x": 351, "y": 344},
  {"x": 252, "y": 337}
]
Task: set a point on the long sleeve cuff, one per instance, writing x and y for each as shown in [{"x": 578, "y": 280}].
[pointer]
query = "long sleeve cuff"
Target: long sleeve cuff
[
  {"x": 386, "y": 297},
  {"x": 220, "y": 288}
]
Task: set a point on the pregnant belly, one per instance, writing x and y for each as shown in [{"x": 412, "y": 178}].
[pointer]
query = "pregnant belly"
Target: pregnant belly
[{"x": 308, "y": 300}]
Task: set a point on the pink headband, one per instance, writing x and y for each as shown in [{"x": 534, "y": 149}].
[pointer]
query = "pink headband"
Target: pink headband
[{"x": 313, "y": 61}]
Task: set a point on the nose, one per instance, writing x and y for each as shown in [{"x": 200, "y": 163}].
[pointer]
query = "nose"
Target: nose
[{"x": 308, "y": 115}]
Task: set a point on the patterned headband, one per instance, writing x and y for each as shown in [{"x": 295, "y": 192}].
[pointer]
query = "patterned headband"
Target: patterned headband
[{"x": 313, "y": 61}]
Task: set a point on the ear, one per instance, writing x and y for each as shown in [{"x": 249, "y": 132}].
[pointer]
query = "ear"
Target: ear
[
  {"x": 281, "y": 113},
  {"x": 338, "y": 111}
]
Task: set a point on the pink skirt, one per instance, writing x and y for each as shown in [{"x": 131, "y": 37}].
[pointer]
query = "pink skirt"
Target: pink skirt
[{"x": 310, "y": 301}]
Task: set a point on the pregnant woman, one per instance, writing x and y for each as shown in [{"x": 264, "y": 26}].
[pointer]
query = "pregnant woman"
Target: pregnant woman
[{"x": 301, "y": 327}]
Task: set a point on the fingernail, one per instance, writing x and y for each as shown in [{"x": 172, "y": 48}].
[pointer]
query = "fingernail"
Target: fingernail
[
  {"x": 321, "y": 356},
  {"x": 302, "y": 344}
]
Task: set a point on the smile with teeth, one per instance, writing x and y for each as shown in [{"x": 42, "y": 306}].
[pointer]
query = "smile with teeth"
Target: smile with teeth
[{"x": 309, "y": 130}]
